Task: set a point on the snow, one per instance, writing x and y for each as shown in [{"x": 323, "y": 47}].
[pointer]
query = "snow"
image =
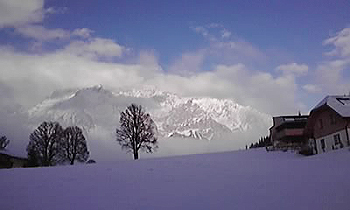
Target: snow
[
  {"x": 96, "y": 110},
  {"x": 163, "y": 106},
  {"x": 340, "y": 104},
  {"x": 252, "y": 179}
]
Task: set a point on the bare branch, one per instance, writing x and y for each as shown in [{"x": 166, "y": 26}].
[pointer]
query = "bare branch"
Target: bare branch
[
  {"x": 137, "y": 131},
  {"x": 43, "y": 144}
]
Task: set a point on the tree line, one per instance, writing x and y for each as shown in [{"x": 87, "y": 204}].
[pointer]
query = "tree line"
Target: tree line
[
  {"x": 50, "y": 145},
  {"x": 262, "y": 142}
]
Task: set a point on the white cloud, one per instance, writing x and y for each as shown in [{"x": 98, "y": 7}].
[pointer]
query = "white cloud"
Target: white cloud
[
  {"x": 204, "y": 30},
  {"x": 214, "y": 25},
  {"x": 82, "y": 32},
  {"x": 257, "y": 89},
  {"x": 188, "y": 64},
  {"x": 25, "y": 17},
  {"x": 225, "y": 33},
  {"x": 95, "y": 48},
  {"x": 332, "y": 76},
  {"x": 225, "y": 48},
  {"x": 33, "y": 77},
  {"x": 201, "y": 30},
  {"x": 52, "y": 10},
  {"x": 43, "y": 34},
  {"x": 312, "y": 88},
  {"x": 293, "y": 68},
  {"x": 238, "y": 49},
  {"x": 40, "y": 33},
  {"x": 341, "y": 42},
  {"x": 18, "y": 12},
  {"x": 78, "y": 64}
]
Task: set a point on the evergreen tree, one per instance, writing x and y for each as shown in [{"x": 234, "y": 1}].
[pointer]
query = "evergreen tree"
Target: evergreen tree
[{"x": 262, "y": 142}]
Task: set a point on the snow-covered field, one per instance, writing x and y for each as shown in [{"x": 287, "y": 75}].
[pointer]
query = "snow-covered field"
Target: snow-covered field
[{"x": 252, "y": 179}]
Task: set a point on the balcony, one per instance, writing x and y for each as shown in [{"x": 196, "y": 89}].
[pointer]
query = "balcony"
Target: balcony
[{"x": 290, "y": 133}]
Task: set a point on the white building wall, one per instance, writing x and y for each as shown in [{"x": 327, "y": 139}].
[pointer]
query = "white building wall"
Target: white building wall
[{"x": 329, "y": 141}]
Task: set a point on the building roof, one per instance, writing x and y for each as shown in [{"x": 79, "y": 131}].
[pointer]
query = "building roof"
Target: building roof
[
  {"x": 340, "y": 104},
  {"x": 13, "y": 154},
  {"x": 288, "y": 119},
  {"x": 293, "y": 117}
]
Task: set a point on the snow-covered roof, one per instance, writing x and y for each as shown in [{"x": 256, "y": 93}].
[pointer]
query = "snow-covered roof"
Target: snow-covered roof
[
  {"x": 13, "y": 154},
  {"x": 340, "y": 104}
]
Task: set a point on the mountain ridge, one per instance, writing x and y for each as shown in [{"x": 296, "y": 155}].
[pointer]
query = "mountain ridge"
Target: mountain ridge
[{"x": 195, "y": 117}]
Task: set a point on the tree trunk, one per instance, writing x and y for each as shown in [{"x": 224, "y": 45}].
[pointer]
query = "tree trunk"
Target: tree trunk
[
  {"x": 73, "y": 159},
  {"x": 136, "y": 155}
]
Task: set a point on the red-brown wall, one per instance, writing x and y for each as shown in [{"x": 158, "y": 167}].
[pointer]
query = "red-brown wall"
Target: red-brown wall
[{"x": 328, "y": 127}]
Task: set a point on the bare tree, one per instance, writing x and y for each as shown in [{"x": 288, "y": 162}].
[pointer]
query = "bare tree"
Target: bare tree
[
  {"x": 43, "y": 146},
  {"x": 3, "y": 142},
  {"x": 73, "y": 145},
  {"x": 137, "y": 131}
]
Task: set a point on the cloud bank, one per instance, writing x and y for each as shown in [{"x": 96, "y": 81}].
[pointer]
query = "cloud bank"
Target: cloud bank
[
  {"x": 33, "y": 77},
  {"x": 17, "y": 12},
  {"x": 83, "y": 59},
  {"x": 332, "y": 75}
]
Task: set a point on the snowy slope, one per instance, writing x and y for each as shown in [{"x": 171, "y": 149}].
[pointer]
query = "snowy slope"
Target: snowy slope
[{"x": 250, "y": 179}]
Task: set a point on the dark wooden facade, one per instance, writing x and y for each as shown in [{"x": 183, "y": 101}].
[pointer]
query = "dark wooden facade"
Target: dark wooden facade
[
  {"x": 10, "y": 161},
  {"x": 289, "y": 131}
]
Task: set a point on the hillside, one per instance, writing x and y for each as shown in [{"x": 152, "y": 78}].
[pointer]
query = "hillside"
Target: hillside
[{"x": 252, "y": 179}]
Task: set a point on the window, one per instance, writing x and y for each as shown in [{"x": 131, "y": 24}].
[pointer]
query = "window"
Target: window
[
  {"x": 323, "y": 145},
  {"x": 332, "y": 117},
  {"x": 344, "y": 101},
  {"x": 337, "y": 139},
  {"x": 320, "y": 123}
]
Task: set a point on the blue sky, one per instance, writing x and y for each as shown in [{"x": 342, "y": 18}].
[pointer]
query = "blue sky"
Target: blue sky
[
  {"x": 164, "y": 26},
  {"x": 277, "y": 56}
]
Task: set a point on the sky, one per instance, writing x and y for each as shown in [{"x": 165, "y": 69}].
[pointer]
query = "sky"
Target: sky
[{"x": 279, "y": 57}]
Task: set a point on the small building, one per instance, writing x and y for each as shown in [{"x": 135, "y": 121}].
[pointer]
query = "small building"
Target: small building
[
  {"x": 328, "y": 124},
  {"x": 11, "y": 161},
  {"x": 287, "y": 132}
]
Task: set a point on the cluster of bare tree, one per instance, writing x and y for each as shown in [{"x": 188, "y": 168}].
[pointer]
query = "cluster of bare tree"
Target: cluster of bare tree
[
  {"x": 50, "y": 144},
  {"x": 3, "y": 142}
]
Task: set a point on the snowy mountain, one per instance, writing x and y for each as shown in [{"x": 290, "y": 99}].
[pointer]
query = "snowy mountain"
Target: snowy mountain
[{"x": 200, "y": 118}]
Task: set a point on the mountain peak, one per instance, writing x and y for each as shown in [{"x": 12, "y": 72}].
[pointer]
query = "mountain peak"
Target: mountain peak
[
  {"x": 144, "y": 92},
  {"x": 197, "y": 117},
  {"x": 98, "y": 87}
]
